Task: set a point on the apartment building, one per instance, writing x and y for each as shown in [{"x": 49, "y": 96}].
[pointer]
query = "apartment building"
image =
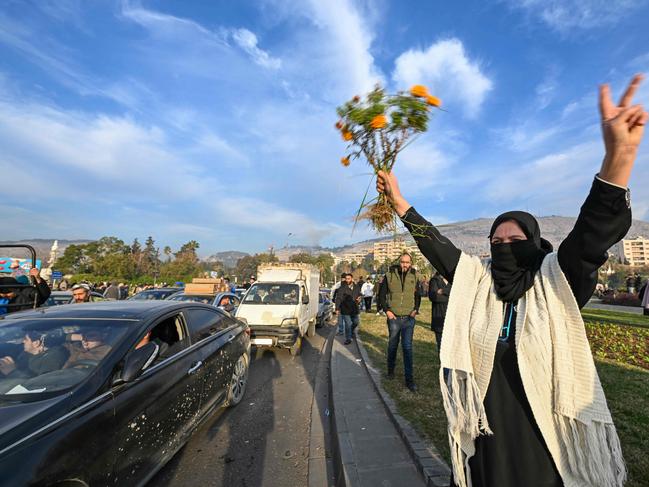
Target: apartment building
[{"x": 636, "y": 251}]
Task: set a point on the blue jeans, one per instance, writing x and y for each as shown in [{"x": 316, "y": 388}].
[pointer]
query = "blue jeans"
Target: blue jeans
[
  {"x": 351, "y": 322},
  {"x": 401, "y": 328},
  {"x": 341, "y": 324}
]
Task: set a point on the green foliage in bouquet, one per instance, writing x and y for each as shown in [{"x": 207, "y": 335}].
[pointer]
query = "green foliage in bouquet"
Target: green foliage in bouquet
[{"x": 377, "y": 128}]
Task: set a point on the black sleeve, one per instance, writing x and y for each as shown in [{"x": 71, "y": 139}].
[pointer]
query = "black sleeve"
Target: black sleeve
[
  {"x": 383, "y": 294},
  {"x": 43, "y": 291},
  {"x": 439, "y": 250},
  {"x": 604, "y": 219},
  {"x": 338, "y": 298},
  {"x": 431, "y": 288}
]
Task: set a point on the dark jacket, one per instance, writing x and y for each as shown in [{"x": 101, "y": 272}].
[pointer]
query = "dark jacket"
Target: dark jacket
[
  {"x": 28, "y": 365},
  {"x": 385, "y": 291},
  {"x": 439, "y": 301},
  {"x": 25, "y": 297},
  {"x": 347, "y": 299},
  {"x": 112, "y": 292}
]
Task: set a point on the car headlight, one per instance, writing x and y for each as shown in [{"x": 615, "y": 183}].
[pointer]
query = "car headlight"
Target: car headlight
[{"x": 289, "y": 322}]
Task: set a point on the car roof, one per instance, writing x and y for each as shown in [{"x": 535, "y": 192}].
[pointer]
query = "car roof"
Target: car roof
[{"x": 124, "y": 310}]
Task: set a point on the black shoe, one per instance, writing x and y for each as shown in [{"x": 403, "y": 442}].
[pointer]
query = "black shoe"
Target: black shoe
[
  {"x": 347, "y": 341},
  {"x": 412, "y": 387}
]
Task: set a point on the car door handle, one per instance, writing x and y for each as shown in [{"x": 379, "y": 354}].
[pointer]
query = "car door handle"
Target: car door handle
[
  {"x": 231, "y": 338},
  {"x": 194, "y": 367}
]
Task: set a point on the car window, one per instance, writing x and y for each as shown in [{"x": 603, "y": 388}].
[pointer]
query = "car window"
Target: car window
[
  {"x": 235, "y": 301},
  {"x": 45, "y": 357},
  {"x": 170, "y": 336},
  {"x": 203, "y": 323}
]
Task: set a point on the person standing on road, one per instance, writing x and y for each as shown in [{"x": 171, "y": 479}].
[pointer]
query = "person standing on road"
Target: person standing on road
[
  {"x": 367, "y": 290},
  {"x": 399, "y": 298},
  {"x": 348, "y": 297},
  {"x": 519, "y": 410},
  {"x": 334, "y": 293},
  {"x": 438, "y": 291}
]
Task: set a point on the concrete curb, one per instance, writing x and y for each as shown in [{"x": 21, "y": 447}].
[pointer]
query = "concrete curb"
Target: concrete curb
[
  {"x": 427, "y": 459},
  {"x": 321, "y": 471}
]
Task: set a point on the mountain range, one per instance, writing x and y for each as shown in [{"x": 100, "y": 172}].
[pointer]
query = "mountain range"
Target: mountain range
[{"x": 470, "y": 236}]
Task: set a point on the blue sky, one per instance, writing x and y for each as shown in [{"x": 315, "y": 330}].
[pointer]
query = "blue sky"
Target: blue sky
[{"x": 214, "y": 120}]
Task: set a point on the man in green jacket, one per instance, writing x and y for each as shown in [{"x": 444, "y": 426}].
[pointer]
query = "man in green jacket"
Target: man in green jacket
[{"x": 400, "y": 297}]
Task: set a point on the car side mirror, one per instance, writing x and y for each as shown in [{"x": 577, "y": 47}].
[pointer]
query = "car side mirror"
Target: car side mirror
[
  {"x": 305, "y": 299},
  {"x": 138, "y": 360}
]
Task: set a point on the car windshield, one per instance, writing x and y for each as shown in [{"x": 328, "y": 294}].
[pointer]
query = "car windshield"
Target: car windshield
[
  {"x": 154, "y": 294},
  {"x": 196, "y": 298},
  {"x": 45, "y": 357},
  {"x": 272, "y": 293},
  {"x": 58, "y": 299}
]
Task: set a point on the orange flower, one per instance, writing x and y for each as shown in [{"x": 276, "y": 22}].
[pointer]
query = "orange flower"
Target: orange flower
[
  {"x": 339, "y": 125},
  {"x": 379, "y": 122},
  {"x": 344, "y": 161},
  {"x": 434, "y": 101},
  {"x": 419, "y": 91},
  {"x": 347, "y": 135}
]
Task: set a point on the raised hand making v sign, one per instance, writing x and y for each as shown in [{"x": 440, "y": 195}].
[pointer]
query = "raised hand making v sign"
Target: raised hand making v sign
[{"x": 622, "y": 129}]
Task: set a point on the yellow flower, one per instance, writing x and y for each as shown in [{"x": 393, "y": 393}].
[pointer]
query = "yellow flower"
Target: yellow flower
[
  {"x": 419, "y": 91},
  {"x": 347, "y": 135},
  {"x": 434, "y": 101},
  {"x": 379, "y": 122},
  {"x": 345, "y": 161}
]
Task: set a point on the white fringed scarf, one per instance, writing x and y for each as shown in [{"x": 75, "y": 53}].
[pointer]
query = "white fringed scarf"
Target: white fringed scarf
[{"x": 556, "y": 368}]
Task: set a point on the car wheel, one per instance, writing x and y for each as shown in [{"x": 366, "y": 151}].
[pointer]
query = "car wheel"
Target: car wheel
[
  {"x": 297, "y": 347},
  {"x": 238, "y": 382}
]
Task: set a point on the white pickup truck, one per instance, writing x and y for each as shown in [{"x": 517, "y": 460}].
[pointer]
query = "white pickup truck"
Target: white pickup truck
[{"x": 282, "y": 306}]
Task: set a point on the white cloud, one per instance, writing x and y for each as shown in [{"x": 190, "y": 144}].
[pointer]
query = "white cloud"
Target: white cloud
[
  {"x": 248, "y": 42},
  {"x": 567, "y": 15},
  {"x": 447, "y": 70},
  {"x": 329, "y": 52}
]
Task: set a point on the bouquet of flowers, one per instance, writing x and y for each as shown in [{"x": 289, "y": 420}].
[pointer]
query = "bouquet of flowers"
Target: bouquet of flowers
[{"x": 377, "y": 128}]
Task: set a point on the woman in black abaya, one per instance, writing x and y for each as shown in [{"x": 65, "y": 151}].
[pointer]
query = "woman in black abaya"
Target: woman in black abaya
[{"x": 516, "y": 453}]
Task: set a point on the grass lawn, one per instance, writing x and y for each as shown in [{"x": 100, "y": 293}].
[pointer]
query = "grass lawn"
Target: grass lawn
[
  {"x": 620, "y": 318},
  {"x": 626, "y": 386}
]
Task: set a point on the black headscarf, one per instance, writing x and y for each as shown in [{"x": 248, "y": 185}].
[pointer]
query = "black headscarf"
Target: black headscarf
[{"x": 513, "y": 265}]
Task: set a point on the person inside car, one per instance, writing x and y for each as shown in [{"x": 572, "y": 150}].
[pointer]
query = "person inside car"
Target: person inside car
[
  {"x": 226, "y": 304},
  {"x": 42, "y": 353},
  {"x": 18, "y": 298},
  {"x": 90, "y": 344}
]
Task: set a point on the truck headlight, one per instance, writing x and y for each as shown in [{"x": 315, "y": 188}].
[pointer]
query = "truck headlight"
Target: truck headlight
[{"x": 289, "y": 322}]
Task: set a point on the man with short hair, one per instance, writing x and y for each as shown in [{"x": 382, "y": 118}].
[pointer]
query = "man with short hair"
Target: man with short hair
[
  {"x": 400, "y": 298},
  {"x": 348, "y": 296}
]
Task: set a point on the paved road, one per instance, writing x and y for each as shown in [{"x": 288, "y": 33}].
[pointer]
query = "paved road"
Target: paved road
[
  {"x": 264, "y": 441},
  {"x": 597, "y": 304}
]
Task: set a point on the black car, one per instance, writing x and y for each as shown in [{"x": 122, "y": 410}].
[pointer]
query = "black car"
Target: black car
[
  {"x": 156, "y": 294},
  {"x": 106, "y": 393}
]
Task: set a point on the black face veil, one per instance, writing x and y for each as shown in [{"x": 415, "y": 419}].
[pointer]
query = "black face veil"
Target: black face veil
[{"x": 513, "y": 265}]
